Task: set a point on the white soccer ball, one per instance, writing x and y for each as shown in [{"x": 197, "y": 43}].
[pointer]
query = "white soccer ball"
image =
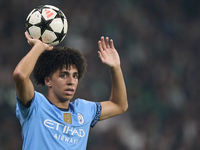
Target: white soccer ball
[{"x": 47, "y": 23}]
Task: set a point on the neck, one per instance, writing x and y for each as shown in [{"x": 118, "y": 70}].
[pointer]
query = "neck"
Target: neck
[{"x": 58, "y": 102}]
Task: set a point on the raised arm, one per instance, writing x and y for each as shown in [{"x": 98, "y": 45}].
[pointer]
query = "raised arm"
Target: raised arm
[
  {"x": 118, "y": 99},
  {"x": 22, "y": 72}
]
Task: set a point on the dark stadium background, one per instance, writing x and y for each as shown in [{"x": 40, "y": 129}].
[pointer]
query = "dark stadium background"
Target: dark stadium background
[{"x": 159, "y": 45}]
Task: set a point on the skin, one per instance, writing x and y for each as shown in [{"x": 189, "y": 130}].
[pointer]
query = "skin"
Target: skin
[
  {"x": 117, "y": 103},
  {"x": 63, "y": 83},
  {"x": 62, "y": 86},
  {"x": 22, "y": 72}
]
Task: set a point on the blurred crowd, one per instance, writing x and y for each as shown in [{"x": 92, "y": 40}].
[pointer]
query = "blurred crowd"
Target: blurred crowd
[{"x": 159, "y": 45}]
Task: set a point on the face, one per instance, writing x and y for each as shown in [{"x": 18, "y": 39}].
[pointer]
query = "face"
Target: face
[{"x": 63, "y": 83}]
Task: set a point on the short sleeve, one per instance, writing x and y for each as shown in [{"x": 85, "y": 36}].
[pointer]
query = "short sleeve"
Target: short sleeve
[
  {"x": 97, "y": 115},
  {"x": 23, "y": 110}
]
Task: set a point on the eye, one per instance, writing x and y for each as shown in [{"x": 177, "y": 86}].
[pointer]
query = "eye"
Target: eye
[
  {"x": 76, "y": 76},
  {"x": 63, "y": 75}
]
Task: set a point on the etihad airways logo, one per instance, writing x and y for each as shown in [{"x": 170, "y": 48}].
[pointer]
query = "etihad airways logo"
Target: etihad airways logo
[{"x": 64, "y": 128}]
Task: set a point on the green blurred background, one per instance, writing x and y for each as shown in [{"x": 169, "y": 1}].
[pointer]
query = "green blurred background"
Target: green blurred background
[{"x": 158, "y": 42}]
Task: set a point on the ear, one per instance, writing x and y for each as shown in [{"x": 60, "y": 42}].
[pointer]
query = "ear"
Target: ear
[{"x": 47, "y": 81}]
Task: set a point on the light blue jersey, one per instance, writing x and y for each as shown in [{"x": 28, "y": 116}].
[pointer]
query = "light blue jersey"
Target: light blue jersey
[{"x": 46, "y": 127}]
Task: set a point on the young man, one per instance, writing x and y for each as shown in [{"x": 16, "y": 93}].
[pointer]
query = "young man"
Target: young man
[{"x": 53, "y": 122}]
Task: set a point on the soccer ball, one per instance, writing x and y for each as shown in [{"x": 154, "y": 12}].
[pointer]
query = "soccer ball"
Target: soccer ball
[{"x": 47, "y": 23}]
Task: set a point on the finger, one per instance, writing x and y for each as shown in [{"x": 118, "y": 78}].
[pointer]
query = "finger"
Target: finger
[
  {"x": 99, "y": 54},
  {"x": 112, "y": 44},
  {"x": 107, "y": 42},
  {"x": 27, "y": 36},
  {"x": 100, "y": 46},
  {"x": 103, "y": 43},
  {"x": 50, "y": 47}
]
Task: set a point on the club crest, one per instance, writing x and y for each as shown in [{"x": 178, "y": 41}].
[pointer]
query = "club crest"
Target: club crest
[{"x": 80, "y": 118}]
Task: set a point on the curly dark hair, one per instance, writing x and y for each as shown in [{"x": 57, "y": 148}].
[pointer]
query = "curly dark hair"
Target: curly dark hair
[{"x": 50, "y": 61}]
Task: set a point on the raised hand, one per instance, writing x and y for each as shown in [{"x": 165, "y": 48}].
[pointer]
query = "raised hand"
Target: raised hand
[
  {"x": 32, "y": 42},
  {"x": 107, "y": 52}
]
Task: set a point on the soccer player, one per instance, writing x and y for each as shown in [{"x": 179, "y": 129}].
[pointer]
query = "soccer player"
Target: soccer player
[{"x": 53, "y": 122}]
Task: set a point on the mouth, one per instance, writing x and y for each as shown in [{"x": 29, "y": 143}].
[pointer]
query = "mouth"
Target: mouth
[{"x": 69, "y": 91}]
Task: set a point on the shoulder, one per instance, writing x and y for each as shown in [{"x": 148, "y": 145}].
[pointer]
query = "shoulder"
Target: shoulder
[
  {"x": 24, "y": 111},
  {"x": 38, "y": 98},
  {"x": 85, "y": 106},
  {"x": 38, "y": 95},
  {"x": 82, "y": 103}
]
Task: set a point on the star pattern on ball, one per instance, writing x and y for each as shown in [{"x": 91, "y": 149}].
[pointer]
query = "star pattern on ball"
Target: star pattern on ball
[{"x": 47, "y": 15}]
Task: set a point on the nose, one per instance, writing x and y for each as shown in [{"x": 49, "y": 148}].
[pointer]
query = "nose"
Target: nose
[{"x": 71, "y": 80}]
